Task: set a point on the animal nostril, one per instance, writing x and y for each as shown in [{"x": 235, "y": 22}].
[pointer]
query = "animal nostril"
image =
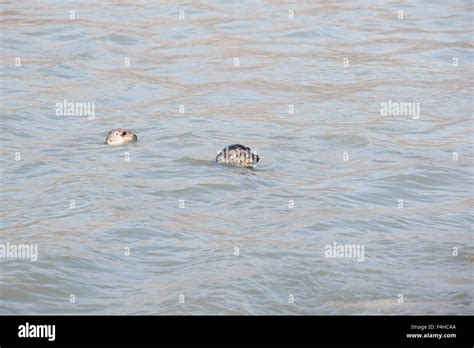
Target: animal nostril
[
  {"x": 258, "y": 158},
  {"x": 135, "y": 137}
]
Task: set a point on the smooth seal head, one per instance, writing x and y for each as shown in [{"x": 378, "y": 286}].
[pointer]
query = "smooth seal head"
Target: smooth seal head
[
  {"x": 238, "y": 155},
  {"x": 120, "y": 136}
]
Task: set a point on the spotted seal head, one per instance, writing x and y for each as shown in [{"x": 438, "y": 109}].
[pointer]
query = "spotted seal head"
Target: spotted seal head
[
  {"x": 238, "y": 155},
  {"x": 120, "y": 136}
]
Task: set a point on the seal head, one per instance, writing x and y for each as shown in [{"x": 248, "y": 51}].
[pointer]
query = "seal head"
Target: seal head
[
  {"x": 238, "y": 155},
  {"x": 120, "y": 136}
]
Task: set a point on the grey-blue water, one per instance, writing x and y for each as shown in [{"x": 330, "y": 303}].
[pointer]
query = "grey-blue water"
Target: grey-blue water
[{"x": 158, "y": 228}]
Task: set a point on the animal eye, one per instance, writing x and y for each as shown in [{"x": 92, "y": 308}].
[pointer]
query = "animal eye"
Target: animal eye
[{"x": 124, "y": 133}]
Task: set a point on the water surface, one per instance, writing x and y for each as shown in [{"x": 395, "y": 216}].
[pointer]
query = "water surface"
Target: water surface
[{"x": 343, "y": 164}]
